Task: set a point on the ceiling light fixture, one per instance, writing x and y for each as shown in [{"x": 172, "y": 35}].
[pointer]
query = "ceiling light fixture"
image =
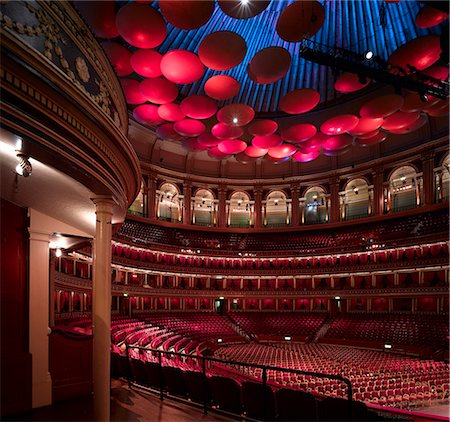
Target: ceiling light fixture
[
  {"x": 244, "y": 2},
  {"x": 369, "y": 55}
]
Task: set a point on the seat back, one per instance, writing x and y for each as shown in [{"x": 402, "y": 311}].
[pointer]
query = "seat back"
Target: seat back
[
  {"x": 336, "y": 409},
  {"x": 259, "y": 401},
  {"x": 198, "y": 386},
  {"x": 296, "y": 405},
  {"x": 226, "y": 393},
  {"x": 174, "y": 381}
]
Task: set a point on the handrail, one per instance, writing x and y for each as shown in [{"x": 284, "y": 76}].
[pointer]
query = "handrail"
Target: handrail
[{"x": 264, "y": 368}]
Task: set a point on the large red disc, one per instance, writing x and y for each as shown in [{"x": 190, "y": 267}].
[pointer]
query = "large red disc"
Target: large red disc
[
  {"x": 415, "y": 102},
  {"x": 223, "y": 131},
  {"x": 337, "y": 142},
  {"x": 255, "y": 152},
  {"x": 182, "y": 67},
  {"x": 305, "y": 157},
  {"x": 429, "y": 16},
  {"x": 235, "y": 114},
  {"x": 147, "y": 114},
  {"x": 215, "y": 153},
  {"x": 350, "y": 82},
  {"x": 159, "y": 90},
  {"x": 262, "y": 127},
  {"x": 339, "y": 124},
  {"x": 140, "y": 25},
  {"x": 208, "y": 140},
  {"x": 299, "y": 101},
  {"x": 382, "y": 106},
  {"x": 269, "y": 141},
  {"x": 222, "y": 87},
  {"x": 399, "y": 120},
  {"x": 282, "y": 151},
  {"x": 100, "y": 16},
  {"x": 119, "y": 57},
  {"x": 189, "y": 127},
  {"x": 421, "y": 121},
  {"x": 299, "y": 133},
  {"x": 146, "y": 63},
  {"x": 193, "y": 145},
  {"x": 198, "y": 107},
  {"x": 373, "y": 140},
  {"x": 269, "y": 65},
  {"x": 171, "y": 112},
  {"x": 167, "y": 132},
  {"x": 186, "y": 14},
  {"x": 365, "y": 125},
  {"x": 232, "y": 146},
  {"x": 132, "y": 91}
]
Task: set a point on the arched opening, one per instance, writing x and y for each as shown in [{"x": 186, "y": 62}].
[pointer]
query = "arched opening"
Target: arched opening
[
  {"x": 356, "y": 199},
  {"x": 168, "y": 208},
  {"x": 404, "y": 190},
  {"x": 315, "y": 210},
  {"x": 443, "y": 181},
  {"x": 277, "y": 210},
  {"x": 204, "y": 208},
  {"x": 240, "y": 210},
  {"x": 137, "y": 207}
]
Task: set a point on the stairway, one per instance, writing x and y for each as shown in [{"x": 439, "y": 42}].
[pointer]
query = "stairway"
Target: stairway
[
  {"x": 238, "y": 329},
  {"x": 323, "y": 329}
]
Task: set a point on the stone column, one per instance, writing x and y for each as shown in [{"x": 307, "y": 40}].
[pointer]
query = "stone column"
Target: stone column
[
  {"x": 378, "y": 194},
  {"x": 187, "y": 193},
  {"x": 39, "y": 323},
  {"x": 295, "y": 214},
  {"x": 258, "y": 207},
  {"x": 334, "y": 193},
  {"x": 101, "y": 307},
  {"x": 222, "y": 196},
  {"x": 151, "y": 197},
  {"x": 427, "y": 175}
]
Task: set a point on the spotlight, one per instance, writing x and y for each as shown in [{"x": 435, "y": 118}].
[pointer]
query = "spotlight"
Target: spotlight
[
  {"x": 235, "y": 120},
  {"x": 369, "y": 55},
  {"x": 24, "y": 167},
  {"x": 244, "y": 2},
  {"x": 58, "y": 253}
]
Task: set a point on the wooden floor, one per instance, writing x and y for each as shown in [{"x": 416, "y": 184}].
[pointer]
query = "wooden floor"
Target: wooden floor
[{"x": 126, "y": 405}]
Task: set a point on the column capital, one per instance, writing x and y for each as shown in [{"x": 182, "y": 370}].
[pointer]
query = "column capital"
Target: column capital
[{"x": 103, "y": 203}]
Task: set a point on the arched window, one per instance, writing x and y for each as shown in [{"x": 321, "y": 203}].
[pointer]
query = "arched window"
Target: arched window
[
  {"x": 277, "y": 209},
  {"x": 137, "y": 207},
  {"x": 356, "y": 199},
  {"x": 403, "y": 189},
  {"x": 315, "y": 208},
  {"x": 240, "y": 210},
  {"x": 168, "y": 208},
  {"x": 443, "y": 182},
  {"x": 204, "y": 208}
]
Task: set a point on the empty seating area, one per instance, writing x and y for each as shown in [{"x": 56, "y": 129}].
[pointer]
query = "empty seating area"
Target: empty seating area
[
  {"x": 391, "y": 232},
  {"x": 302, "y": 326},
  {"x": 420, "y": 329}
]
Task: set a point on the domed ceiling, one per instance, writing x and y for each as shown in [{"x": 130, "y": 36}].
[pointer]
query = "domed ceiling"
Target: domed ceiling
[{"x": 228, "y": 80}]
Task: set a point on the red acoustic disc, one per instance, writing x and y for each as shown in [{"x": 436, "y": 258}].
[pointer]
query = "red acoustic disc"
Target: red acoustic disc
[
  {"x": 171, "y": 112},
  {"x": 339, "y": 124},
  {"x": 198, "y": 107},
  {"x": 305, "y": 157},
  {"x": 429, "y": 16},
  {"x": 147, "y": 114},
  {"x": 421, "y": 121},
  {"x": 235, "y": 114},
  {"x": 299, "y": 133},
  {"x": 222, "y": 87},
  {"x": 167, "y": 133},
  {"x": 159, "y": 90},
  {"x": 186, "y": 14},
  {"x": 215, "y": 153},
  {"x": 437, "y": 72},
  {"x": 269, "y": 65},
  {"x": 365, "y": 125},
  {"x": 243, "y": 158},
  {"x": 399, "y": 120},
  {"x": 223, "y": 131},
  {"x": 415, "y": 102},
  {"x": 237, "y": 9},
  {"x": 335, "y": 152},
  {"x": 232, "y": 146},
  {"x": 140, "y": 25},
  {"x": 132, "y": 92},
  {"x": 350, "y": 82},
  {"x": 269, "y": 141},
  {"x": 382, "y": 106},
  {"x": 262, "y": 127},
  {"x": 119, "y": 57},
  {"x": 438, "y": 110},
  {"x": 208, "y": 140},
  {"x": 182, "y": 67},
  {"x": 222, "y": 50},
  {"x": 282, "y": 151},
  {"x": 373, "y": 140},
  {"x": 273, "y": 160},
  {"x": 255, "y": 152},
  {"x": 315, "y": 142},
  {"x": 301, "y": 19},
  {"x": 189, "y": 127},
  {"x": 191, "y": 144},
  {"x": 337, "y": 142},
  {"x": 299, "y": 101},
  {"x": 100, "y": 16},
  {"x": 368, "y": 134},
  {"x": 420, "y": 53},
  {"x": 146, "y": 63}
]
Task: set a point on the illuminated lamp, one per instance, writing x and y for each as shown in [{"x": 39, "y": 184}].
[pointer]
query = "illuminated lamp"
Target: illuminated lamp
[
  {"x": 159, "y": 90},
  {"x": 399, "y": 120},
  {"x": 242, "y": 112},
  {"x": 186, "y": 14},
  {"x": 232, "y": 146},
  {"x": 369, "y": 55},
  {"x": 182, "y": 67},
  {"x": 222, "y": 131},
  {"x": 366, "y": 125},
  {"x": 132, "y": 91},
  {"x": 388, "y": 346},
  {"x": 189, "y": 127},
  {"x": 287, "y": 338},
  {"x": 305, "y": 157},
  {"x": 255, "y": 152},
  {"x": 147, "y": 114},
  {"x": 146, "y": 63},
  {"x": 299, "y": 133},
  {"x": 428, "y": 16},
  {"x": 282, "y": 151},
  {"x": 140, "y": 25},
  {"x": 382, "y": 106},
  {"x": 299, "y": 101},
  {"x": 222, "y": 50},
  {"x": 373, "y": 140},
  {"x": 301, "y": 19},
  {"x": 198, "y": 107},
  {"x": 350, "y": 82},
  {"x": 171, "y": 112},
  {"x": 222, "y": 87},
  {"x": 167, "y": 132},
  {"x": 208, "y": 140},
  {"x": 100, "y": 16},
  {"x": 239, "y": 9},
  {"x": 262, "y": 127},
  {"x": 215, "y": 153},
  {"x": 192, "y": 145},
  {"x": 419, "y": 53},
  {"x": 269, "y": 65},
  {"x": 339, "y": 124},
  {"x": 119, "y": 57},
  {"x": 270, "y": 141},
  {"x": 339, "y": 142}
]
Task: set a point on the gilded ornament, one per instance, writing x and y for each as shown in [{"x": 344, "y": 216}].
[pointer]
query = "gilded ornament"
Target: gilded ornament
[{"x": 82, "y": 69}]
